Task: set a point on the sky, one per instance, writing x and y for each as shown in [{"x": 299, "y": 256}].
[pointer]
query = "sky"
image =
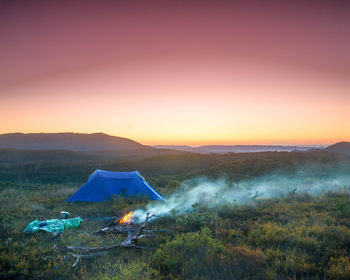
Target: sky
[{"x": 178, "y": 72}]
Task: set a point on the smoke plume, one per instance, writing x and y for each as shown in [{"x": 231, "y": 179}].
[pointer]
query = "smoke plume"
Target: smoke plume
[{"x": 212, "y": 193}]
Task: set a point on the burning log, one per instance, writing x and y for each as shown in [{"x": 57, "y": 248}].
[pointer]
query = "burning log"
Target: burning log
[
  {"x": 126, "y": 218},
  {"x": 124, "y": 224},
  {"x": 119, "y": 225}
]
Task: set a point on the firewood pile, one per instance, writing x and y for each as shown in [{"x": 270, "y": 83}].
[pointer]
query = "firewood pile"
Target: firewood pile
[{"x": 122, "y": 225}]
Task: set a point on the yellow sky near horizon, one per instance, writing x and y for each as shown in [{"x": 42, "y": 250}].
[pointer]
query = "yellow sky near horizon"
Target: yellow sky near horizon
[{"x": 220, "y": 110}]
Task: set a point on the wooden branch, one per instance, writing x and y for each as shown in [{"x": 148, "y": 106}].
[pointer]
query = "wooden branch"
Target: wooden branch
[
  {"x": 89, "y": 252},
  {"x": 116, "y": 229},
  {"x": 121, "y": 228},
  {"x": 88, "y": 249},
  {"x": 128, "y": 242},
  {"x": 78, "y": 257},
  {"x": 133, "y": 237}
]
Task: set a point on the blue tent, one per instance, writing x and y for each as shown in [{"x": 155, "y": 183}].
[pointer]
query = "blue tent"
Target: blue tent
[{"x": 104, "y": 184}]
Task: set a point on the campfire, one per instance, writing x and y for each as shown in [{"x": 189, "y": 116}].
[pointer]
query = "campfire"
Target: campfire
[
  {"x": 123, "y": 225},
  {"x": 126, "y": 219}
]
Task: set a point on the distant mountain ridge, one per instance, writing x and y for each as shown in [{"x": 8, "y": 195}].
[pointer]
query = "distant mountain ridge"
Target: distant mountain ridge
[
  {"x": 73, "y": 146},
  {"x": 100, "y": 144},
  {"x": 222, "y": 149},
  {"x": 80, "y": 142}
]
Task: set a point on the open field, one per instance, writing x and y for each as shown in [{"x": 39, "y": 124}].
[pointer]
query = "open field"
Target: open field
[{"x": 290, "y": 236}]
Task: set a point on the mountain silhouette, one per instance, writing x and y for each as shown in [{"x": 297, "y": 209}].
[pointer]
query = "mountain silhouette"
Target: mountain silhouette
[{"x": 339, "y": 148}]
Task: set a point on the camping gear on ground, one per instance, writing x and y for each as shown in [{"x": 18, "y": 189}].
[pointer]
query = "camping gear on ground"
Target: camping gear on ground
[
  {"x": 104, "y": 184},
  {"x": 53, "y": 225},
  {"x": 64, "y": 214}
]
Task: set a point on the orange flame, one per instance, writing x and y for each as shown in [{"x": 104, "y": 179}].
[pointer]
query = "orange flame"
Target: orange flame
[{"x": 126, "y": 218}]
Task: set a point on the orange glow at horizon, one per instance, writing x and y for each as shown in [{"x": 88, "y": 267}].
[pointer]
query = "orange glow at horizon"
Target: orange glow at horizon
[{"x": 206, "y": 109}]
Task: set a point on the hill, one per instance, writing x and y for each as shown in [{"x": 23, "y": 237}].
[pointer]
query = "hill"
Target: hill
[
  {"x": 68, "y": 141},
  {"x": 73, "y": 146},
  {"x": 339, "y": 148},
  {"x": 180, "y": 166},
  {"x": 16, "y": 155}
]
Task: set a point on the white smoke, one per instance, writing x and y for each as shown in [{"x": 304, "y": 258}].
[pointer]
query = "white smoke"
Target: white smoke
[{"x": 213, "y": 193}]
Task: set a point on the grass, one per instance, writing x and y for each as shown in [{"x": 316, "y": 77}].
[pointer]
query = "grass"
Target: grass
[
  {"x": 293, "y": 237},
  {"x": 287, "y": 238}
]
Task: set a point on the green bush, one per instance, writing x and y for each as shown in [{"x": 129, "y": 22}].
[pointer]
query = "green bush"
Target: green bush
[
  {"x": 189, "y": 256},
  {"x": 129, "y": 271},
  {"x": 339, "y": 268}
]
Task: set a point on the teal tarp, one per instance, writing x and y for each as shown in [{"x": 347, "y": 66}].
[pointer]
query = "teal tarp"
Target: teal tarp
[{"x": 56, "y": 225}]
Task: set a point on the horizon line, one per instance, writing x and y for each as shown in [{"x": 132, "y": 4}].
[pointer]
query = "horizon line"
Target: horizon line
[{"x": 179, "y": 143}]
